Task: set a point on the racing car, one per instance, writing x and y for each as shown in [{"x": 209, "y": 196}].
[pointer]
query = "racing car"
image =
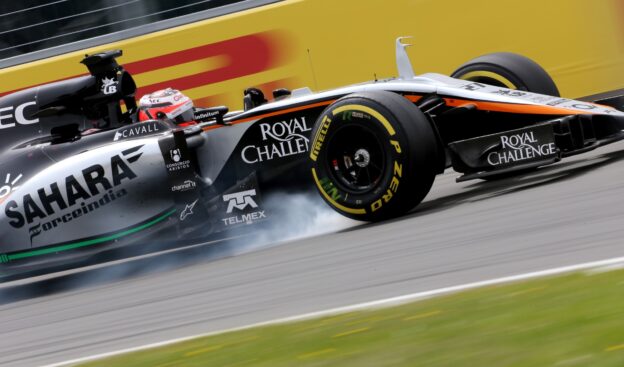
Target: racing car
[{"x": 84, "y": 168}]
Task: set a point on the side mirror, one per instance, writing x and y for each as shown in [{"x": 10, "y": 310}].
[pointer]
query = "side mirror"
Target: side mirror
[
  {"x": 281, "y": 93},
  {"x": 253, "y": 97}
]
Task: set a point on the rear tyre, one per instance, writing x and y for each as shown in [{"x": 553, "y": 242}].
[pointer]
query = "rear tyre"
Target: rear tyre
[
  {"x": 373, "y": 155},
  {"x": 508, "y": 70}
]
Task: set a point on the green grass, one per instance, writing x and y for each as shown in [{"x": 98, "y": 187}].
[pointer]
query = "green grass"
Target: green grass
[{"x": 573, "y": 320}]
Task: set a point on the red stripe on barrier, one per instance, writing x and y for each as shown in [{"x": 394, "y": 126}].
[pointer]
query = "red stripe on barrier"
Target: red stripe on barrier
[
  {"x": 245, "y": 55},
  {"x": 231, "y": 48}
]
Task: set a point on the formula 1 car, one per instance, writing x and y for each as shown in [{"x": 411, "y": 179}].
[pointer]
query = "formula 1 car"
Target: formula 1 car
[{"x": 81, "y": 174}]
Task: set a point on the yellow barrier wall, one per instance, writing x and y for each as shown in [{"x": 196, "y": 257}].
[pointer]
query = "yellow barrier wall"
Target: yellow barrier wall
[{"x": 579, "y": 42}]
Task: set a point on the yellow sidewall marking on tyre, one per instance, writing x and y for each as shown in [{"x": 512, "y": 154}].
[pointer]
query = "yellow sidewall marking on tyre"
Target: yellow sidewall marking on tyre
[
  {"x": 393, "y": 188},
  {"x": 396, "y": 146},
  {"x": 319, "y": 138},
  {"x": 368, "y": 110},
  {"x": 488, "y": 74},
  {"x": 332, "y": 201}
]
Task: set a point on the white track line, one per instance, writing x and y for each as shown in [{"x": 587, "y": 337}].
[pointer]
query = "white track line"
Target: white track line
[{"x": 364, "y": 306}]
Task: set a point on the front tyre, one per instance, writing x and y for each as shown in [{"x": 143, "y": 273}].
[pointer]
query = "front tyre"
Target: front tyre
[
  {"x": 508, "y": 70},
  {"x": 373, "y": 156}
]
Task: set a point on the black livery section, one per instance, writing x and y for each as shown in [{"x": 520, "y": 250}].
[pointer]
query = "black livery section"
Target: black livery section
[
  {"x": 78, "y": 104},
  {"x": 182, "y": 177},
  {"x": 273, "y": 148}
]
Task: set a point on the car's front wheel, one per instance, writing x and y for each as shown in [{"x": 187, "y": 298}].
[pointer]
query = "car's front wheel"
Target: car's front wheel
[{"x": 373, "y": 155}]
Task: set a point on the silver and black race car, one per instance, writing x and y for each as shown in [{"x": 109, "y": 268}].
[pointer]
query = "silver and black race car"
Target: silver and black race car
[{"x": 80, "y": 175}]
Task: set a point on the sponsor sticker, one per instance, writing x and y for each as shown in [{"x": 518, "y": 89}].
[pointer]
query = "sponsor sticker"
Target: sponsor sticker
[
  {"x": 137, "y": 130},
  {"x": 320, "y": 138},
  {"x": 240, "y": 200},
  {"x": 10, "y": 185},
  {"x": 185, "y": 186},
  {"x": 280, "y": 139},
  {"x": 109, "y": 86},
  {"x": 177, "y": 162},
  {"x": 65, "y": 200},
  {"x": 503, "y": 150},
  {"x": 521, "y": 147},
  {"x": 474, "y": 86},
  {"x": 238, "y": 203},
  {"x": 188, "y": 210},
  {"x": 205, "y": 115},
  {"x": 11, "y": 115}
]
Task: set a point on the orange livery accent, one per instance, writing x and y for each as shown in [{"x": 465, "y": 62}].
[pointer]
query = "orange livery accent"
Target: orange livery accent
[
  {"x": 413, "y": 98},
  {"x": 275, "y": 113},
  {"x": 516, "y": 108}
]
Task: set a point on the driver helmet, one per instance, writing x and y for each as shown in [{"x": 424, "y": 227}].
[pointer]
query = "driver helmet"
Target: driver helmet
[{"x": 167, "y": 103}]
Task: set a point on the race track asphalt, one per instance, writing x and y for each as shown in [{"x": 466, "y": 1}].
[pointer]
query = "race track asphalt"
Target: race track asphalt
[{"x": 565, "y": 214}]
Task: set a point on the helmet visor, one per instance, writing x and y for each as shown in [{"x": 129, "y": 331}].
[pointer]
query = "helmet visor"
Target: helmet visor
[{"x": 186, "y": 116}]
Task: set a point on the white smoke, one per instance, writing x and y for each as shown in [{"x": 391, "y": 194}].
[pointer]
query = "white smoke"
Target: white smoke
[{"x": 293, "y": 217}]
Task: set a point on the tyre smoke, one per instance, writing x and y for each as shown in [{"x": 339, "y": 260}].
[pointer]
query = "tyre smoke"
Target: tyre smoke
[
  {"x": 293, "y": 217},
  {"x": 290, "y": 217}
]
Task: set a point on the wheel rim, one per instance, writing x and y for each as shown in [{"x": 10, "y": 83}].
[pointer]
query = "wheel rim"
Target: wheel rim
[{"x": 356, "y": 158}]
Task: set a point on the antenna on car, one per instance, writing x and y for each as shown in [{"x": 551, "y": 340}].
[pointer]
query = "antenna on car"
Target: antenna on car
[
  {"x": 312, "y": 69},
  {"x": 404, "y": 65}
]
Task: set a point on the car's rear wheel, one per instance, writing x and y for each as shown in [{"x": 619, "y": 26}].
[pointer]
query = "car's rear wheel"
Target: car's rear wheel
[
  {"x": 373, "y": 155},
  {"x": 508, "y": 70}
]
